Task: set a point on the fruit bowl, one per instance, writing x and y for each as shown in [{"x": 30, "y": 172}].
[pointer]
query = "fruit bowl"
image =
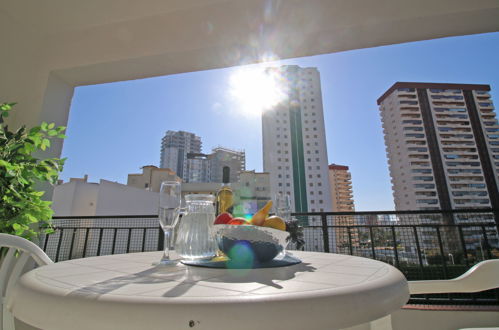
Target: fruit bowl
[{"x": 249, "y": 243}]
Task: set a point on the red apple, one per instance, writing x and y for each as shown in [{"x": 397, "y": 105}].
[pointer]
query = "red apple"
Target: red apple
[
  {"x": 238, "y": 221},
  {"x": 223, "y": 218}
]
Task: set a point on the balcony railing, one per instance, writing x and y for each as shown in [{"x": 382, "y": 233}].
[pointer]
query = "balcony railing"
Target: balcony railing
[{"x": 423, "y": 245}]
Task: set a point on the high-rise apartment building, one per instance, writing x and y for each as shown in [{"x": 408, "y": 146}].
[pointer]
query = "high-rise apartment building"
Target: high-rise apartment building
[
  {"x": 175, "y": 146},
  {"x": 340, "y": 181},
  {"x": 442, "y": 142},
  {"x": 294, "y": 141}
]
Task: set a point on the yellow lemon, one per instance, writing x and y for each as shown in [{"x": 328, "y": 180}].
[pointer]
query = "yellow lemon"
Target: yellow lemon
[{"x": 275, "y": 222}]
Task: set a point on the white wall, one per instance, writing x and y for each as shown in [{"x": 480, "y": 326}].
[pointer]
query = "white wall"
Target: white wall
[
  {"x": 105, "y": 198},
  {"x": 75, "y": 198},
  {"x": 117, "y": 199}
]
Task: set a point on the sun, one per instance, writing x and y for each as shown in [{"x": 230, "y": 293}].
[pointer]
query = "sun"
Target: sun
[{"x": 255, "y": 89}]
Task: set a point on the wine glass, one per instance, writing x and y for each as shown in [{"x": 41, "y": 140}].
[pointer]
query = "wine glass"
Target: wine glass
[
  {"x": 169, "y": 211},
  {"x": 282, "y": 210},
  {"x": 283, "y": 206}
]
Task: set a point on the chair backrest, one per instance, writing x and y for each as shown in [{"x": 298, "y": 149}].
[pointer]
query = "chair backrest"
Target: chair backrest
[
  {"x": 483, "y": 276},
  {"x": 17, "y": 252}
]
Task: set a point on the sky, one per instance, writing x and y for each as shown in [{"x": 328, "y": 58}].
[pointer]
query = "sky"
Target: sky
[{"x": 114, "y": 129}]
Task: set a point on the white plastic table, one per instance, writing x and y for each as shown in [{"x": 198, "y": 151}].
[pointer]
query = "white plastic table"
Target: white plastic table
[{"x": 326, "y": 291}]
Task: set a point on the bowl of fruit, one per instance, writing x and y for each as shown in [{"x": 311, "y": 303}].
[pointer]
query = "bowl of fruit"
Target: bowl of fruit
[{"x": 257, "y": 240}]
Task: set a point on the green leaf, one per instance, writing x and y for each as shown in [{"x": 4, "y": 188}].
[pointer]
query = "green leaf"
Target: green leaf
[
  {"x": 4, "y": 163},
  {"x": 21, "y": 205}
]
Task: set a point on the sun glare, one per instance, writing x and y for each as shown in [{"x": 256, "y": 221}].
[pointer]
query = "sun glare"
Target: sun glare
[{"x": 254, "y": 90}]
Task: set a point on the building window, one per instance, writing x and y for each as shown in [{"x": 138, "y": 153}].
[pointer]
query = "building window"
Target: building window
[
  {"x": 319, "y": 184},
  {"x": 287, "y": 184}
]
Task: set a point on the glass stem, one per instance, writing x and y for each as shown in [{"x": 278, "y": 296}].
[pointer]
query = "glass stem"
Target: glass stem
[{"x": 166, "y": 251}]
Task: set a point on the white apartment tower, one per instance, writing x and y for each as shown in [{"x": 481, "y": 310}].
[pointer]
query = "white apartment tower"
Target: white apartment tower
[
  {"x": 442, "y": 142},
  {"x": 294, "y": 141},
  {"x": 175, "y": 146}
]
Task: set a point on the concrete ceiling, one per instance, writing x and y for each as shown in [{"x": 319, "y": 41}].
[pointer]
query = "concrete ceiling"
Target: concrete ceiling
[{"x": 95, "y": 41}]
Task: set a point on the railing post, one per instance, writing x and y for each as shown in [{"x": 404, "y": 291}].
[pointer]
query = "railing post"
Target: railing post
[
  {"x": 73, "y": 233},
  {"x": 350, "y": 246},
  {"x": 463, "y": 243},
  {"x": 442, "y": 254},
  {"x": 395, "y": 251},
  {"x": 371, "y": 234},
  {"x": 486, "y": 242},
  {"x": 325, "y": 232},
  {"x": 161, "y": 239}
]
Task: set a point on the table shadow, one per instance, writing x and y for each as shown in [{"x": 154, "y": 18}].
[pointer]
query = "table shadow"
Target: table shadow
[
  {"x": 155, "y": 274},
  {"x": 187, "y": 276},
  {"x": 264, "y": 276}
]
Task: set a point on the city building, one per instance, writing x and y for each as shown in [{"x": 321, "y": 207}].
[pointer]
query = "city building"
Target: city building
[
  {"x": 340, "y": 181},
  {"x": 294, "y": 141},
  {"x": 82, "y": 198},
  {"x": 175, "y": 146},
  {"x": 221, "y": 157},
  {"x": 151, "y": 178},
  {"x": 208, "y": 167},
  {"x": 252, "y": 191},
  {"x": 442, "y": 142}
]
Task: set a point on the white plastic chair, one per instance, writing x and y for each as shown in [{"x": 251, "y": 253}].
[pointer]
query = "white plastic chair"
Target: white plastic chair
[
  {"x": 483, "y": 276},
  {"x": 18, "y": 259}
]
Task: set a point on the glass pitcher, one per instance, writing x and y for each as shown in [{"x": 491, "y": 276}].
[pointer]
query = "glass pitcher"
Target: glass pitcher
[{"x": 195, "y": 233}]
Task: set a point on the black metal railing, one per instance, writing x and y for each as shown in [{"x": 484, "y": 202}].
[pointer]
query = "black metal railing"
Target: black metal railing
[{"x": 423, "y": 245}]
